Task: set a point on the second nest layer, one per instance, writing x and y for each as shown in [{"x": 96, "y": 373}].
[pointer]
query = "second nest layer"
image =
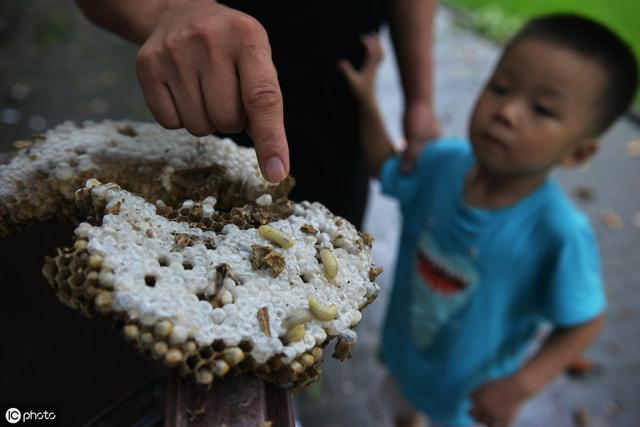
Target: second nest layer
[{"x": 40, "y": 180}]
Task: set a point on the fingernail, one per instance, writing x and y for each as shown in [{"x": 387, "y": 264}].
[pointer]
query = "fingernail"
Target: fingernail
[{"x": 274, "y": 170}]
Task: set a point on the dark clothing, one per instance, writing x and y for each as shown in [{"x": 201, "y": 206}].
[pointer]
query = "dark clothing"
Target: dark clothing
[
  {"x": 317, "y": 33},
  {"x": 320, "y": 114}
]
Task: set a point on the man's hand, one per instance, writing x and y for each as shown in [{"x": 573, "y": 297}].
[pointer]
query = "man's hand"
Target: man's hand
[
  {"x": 496, "y": 403},
  {"x": 208, "y": 67},
  {"x": 420, "y": 126}
]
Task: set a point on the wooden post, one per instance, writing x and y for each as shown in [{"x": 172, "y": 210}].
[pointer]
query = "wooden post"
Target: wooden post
[{"x": 233, "y": 401}]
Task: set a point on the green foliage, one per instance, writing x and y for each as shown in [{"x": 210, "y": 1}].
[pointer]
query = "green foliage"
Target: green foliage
[
  {"x": 55, "y": 29},
  {"x": 494, "y": 22},
  {"x": 499, "y": 19}
]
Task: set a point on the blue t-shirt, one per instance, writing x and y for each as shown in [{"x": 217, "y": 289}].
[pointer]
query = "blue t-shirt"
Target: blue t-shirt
[{"x": 473, "y": 285}]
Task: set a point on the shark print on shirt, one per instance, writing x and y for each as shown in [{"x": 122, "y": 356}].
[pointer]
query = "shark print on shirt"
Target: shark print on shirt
[{"x": 442, "y": 285}]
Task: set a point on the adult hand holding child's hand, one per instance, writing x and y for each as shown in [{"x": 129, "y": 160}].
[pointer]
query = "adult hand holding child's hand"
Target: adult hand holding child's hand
[
  {"x": 420, "y": 126},
  {"x": 206, "y": 67}
]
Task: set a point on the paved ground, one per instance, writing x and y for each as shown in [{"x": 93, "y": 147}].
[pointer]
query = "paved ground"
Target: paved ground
[{"x": 54, "y": 66}]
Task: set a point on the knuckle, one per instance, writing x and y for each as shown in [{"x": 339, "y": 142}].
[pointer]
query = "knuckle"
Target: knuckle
[
  {"x": 199, "y": 129},
  {"x": 247, "y": 27},
  {"x": 203, "y": 29},
  {"x": 270, "y": 141},
  {"x": 167, "y": 121},
  {"x": 195, "y": 122},
  {"x": 147, "y": 57},
  {"x": 229, "y": 123},
  {"x": 264, "y": 96},
  {"x": 171, "y": 42},
  {"x": 174, "y": 45}
]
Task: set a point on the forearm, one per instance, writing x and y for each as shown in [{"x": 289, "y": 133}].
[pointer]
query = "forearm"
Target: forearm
[
  {"x": 133, "y": 20},
  {"x": 411, "y": 24},
  {"x": 376, "y": 143},
  {"x": 562, "y": 346}
]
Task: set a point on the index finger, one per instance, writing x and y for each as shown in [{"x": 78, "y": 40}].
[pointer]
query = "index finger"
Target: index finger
[{"x": 262, "y": 100}]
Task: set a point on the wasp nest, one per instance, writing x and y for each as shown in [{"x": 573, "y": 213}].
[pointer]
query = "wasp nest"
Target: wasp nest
[
  {"x": 259, "y": 288},
  {"x": 172, "y": 165}
]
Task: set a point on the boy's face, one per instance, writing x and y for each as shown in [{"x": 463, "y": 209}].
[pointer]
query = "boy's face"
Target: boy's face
[{"x": 537, "y": 110}]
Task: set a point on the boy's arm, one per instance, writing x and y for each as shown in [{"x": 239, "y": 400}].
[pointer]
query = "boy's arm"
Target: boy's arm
[
  {"x": 497, "y": 402},
  {"x": 375, "y": 141},
  {"x": 562, "y": 347}
]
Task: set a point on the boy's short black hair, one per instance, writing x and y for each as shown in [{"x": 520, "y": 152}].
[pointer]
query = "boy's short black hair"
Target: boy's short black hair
[{"x": 595, "y": 41}]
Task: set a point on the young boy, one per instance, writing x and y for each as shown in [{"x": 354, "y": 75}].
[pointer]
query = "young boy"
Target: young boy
[{"x": 491, "y": 247}]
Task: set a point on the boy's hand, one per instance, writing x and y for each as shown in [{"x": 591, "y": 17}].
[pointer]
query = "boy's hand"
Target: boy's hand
[
  {"x": 496, "y": 403},
  {"x": 206, "y": 67},
  {"x": 376, "y": 144},
  {"x": 362, "y": 81}
]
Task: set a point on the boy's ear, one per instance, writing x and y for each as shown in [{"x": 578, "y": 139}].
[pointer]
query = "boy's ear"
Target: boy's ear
[{"x": 580, "y": 154}]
